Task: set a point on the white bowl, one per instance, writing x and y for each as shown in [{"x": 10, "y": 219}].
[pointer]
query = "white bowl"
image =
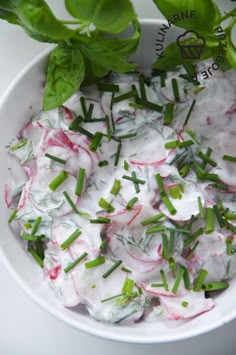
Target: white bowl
[{"x": 22, "y": 99}]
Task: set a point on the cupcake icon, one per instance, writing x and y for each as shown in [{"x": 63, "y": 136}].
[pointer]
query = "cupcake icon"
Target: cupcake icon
[{"x": 191, "y": 45}]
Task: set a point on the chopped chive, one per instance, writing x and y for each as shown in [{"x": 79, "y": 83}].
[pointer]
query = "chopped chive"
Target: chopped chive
[
  {"x": 75, "y": 124},
  {"x": 186, "y": 277},
  {"x": 230, "y": 216},
  {"x": 229, "y": 158},
  {"x": 157, "y": 285},
  {"x": 96, "y": 262},
  {"x": 126, "y": 165},
  {"x": 184, "y": 304},
  {"x": 90, "y": 112},
  {"x": 108, "y": 128},
  {"x": 39, "y": 248},
  {"x": 100, "y": 220},
  {"x": 199, "y": 170},
  {"x": 193, "y": 135},
  {"x": 220, "y": 186},
  {"x": 190, "y": 254},
  {"x": 160, "y": 184},
  {"x": 126, "y": 270},
  {"x": 211, "y": 177},
  {"x": 178, "y": 279},
  {"x": 95, "y": 142},
  {"x": 172, "y": 264},
  {"x": 200, "y": 207},
  {"x": 27, "y": 225},
  {"x": 175, "y": 88},
  {"x": 186, "y": 144},
  {"x": 75, "y": 262},
  {"x": 163, "y": 77},
  {"x": 134, "y": 105},
  {"x": 103, "y": 163},
  {"x": 117, "y": 155},
  {"x": 155, "y": 229},
  {"x": 127, "y": 95},
  {"x": 142, "y": 87},
  {"x": 116, "y": 188},
  {"x": 28, "y": 237},
  {"x": 131, "y": 203},
  {"x": 179, "y": 230},
  {"x": 71, "y": 203},
  {"x": 229, "y": 246},
  {"x": 210, "y": 220},
  {"x": 164, "y": 246},
  {"x": 80, "y": 182},
  {"x": 111, "y": 108},
  {"x": 194, "y": 236},
  {"x": 127, "y": 136},
  {"x": 127, "y": 287},
  {"x": 112, "y": 268},
  {"x": 84, "y": 132},
  {"x": 172, "y": 242},
  {"x": 184, "y": 170},
  {"x": 58, "y": 160},
  {"x": 12, "y": 216},
  {"x": 214, "y": 286},
  {"x": 103, "y": 244},
  {"x": 172, "y": 144},
  {"x": 163, "y": 278},
  {"x": 102, "y": 119},
  {"x": 36, "y": 256},
  {"x": 59, "y": 179},
  {"x": 18, "y": 145},
  {"x": 106, "y": 205},
  {"x": 149, "y": 105},
  {"x": 189, "y": 112},
  {"x": 36, "y": 225},
  {"x": 218, "y": 216},
  {"x": 152, "y": 219},
  {"x": 138, "y": 181},
  {"x": 176, "y": 191},
  {"x": 207, "y": 155},
  {"x": 83, "y": 106},
  {"x": 112, "y": 298},
  {"x": 136, "y": 185},
  {"x": 207, "y": 159},
  {"x": 200, "y": 280},
  {"x": 169, "y": 112},
  {"x": 71, "y": 239},
  {"x": 168, "y": 204},
  {"x": 108, "y": 87}
]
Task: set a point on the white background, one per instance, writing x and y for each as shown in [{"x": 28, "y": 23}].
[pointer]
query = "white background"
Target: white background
[{"x": 27, "y": 329}]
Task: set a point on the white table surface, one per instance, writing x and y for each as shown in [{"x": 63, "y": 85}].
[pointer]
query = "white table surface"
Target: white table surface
[{"x": 25, "y": 328}]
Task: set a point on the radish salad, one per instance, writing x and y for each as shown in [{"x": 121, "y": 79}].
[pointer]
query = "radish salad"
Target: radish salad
[{"x": 125, "y": 195}]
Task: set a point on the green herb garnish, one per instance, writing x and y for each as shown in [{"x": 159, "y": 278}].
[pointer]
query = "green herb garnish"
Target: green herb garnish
[
  {"x": 71, "y": 239},
  {"x": 200, "y": 280},
  {"x": 80, "y": 182},
  {"x": 96, "y": 262},
  {"x": 112, "y": 268},
  {"x": 59, "y": 179},
  {"x": 75, "y": 262},
  {"x": 56, "y": 159}
]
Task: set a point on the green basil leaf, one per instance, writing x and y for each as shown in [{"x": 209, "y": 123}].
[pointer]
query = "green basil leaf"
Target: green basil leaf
[
  {"x": 111, "y": 16},
  {"x": 204, "y": 13},
  {"x": 65, "y": 72},
  {"x": 93, "y": 72},
  {"x": 36, "y": 18},
  {"x": 99, "y": 52},
  {"x": 9, "y": 16},
  {"x": 172, "y": 58},
  {"x": 125, "y": 46},
  {"x": 231, "y": 48}
]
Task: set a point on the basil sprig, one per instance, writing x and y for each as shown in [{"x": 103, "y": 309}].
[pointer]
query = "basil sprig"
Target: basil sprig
[{"x": 80, "y": 57}]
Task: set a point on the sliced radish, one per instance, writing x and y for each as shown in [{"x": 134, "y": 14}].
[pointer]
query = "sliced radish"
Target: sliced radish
[{"x": 196, "y": 305}]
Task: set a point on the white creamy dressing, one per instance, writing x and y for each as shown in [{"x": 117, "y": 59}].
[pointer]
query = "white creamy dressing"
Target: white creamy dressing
[{"x": 214, "y": 123}]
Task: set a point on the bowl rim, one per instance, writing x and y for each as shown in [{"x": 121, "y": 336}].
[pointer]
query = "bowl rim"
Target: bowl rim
[{"x": 86, "y": 328}]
